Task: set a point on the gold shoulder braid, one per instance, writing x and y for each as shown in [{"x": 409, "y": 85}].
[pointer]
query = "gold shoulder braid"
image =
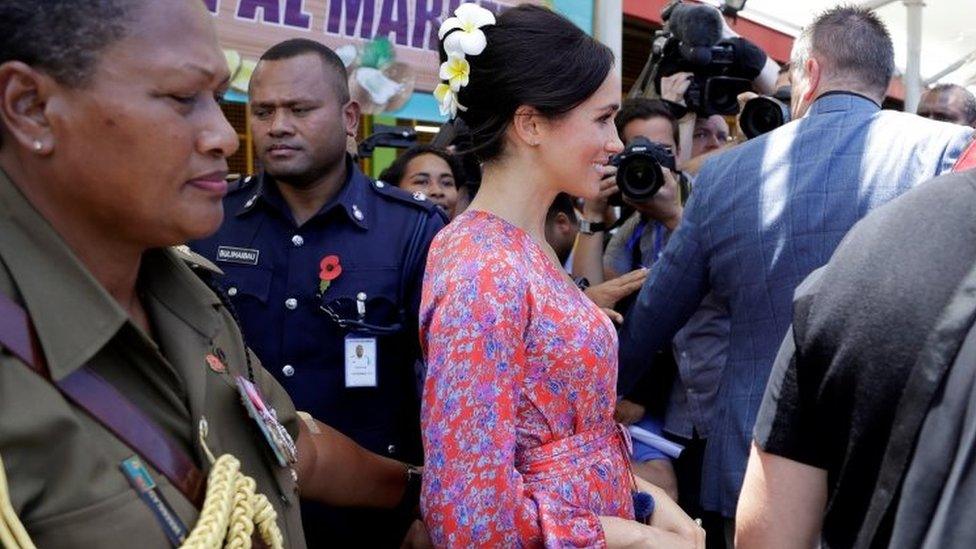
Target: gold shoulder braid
[
  {"x": 232, "y": 508},
  {"x": 12, "y": 532},
  {"x": 231, "y": 511}
]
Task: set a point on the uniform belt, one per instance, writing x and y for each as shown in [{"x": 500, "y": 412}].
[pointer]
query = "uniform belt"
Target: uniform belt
[
  {"x": 105, "y": 404},
  {"x": 17, "y": 333},
  {"x": 573, "y": 453}
]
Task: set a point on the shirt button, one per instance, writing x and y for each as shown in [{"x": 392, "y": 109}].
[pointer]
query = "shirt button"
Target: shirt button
[
  {"x": 291, "y": 303},
  {"x": 391, "y": 449},
  {"x": 297, "y": 240},
  {"x": 288, "y": 370},
  {"x": 232, "y": 291}
]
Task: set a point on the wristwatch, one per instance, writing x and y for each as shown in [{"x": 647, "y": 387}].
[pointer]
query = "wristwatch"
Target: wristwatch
[
  {"x": 591, "y": 227},
  {"x": 411, "y": 494}
]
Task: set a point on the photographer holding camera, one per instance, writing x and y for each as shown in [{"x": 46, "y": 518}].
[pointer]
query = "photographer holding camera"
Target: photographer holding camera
[
  {"x": 654, "y": 191},
  {"x": 698, "y": 135},
  {"x": 648, "y": 183},
  {"x": 701, "y": 68},
  {"x": 651, "y": 135}
]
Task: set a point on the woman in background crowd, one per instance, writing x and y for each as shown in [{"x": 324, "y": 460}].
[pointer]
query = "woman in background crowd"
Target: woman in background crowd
[{"x": 429, "y": 170}]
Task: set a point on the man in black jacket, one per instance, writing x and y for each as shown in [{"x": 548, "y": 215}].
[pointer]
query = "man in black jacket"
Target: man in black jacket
[{"x": 844, "y": 421}]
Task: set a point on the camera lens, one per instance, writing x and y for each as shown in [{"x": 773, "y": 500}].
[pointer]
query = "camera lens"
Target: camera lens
[
  {"x": 639, "y": 168},
  {"x": 722, "y": 93},
  {"x": 723, "y": 102},
  {"x": 640, "y": 178},
  {"x": 762, "y": 115}
]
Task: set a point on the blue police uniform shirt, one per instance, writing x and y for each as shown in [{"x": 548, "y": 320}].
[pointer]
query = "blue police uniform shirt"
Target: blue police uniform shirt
[{"x": 380, "y": 235}]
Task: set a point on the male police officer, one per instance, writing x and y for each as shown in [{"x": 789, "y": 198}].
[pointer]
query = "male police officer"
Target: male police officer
[{"x": 320, "y": 260}]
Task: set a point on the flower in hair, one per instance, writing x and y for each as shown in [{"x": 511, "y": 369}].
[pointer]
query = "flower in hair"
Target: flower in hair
[
  {"x": 460, "y": 35},
  {"x": 456, "y": 71},
  {"x": 447, "y": 99},
  {"x": 468, "y": 39}
]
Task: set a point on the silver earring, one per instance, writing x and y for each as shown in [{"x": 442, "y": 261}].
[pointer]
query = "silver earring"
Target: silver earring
[{"x": 38, "y": 145}]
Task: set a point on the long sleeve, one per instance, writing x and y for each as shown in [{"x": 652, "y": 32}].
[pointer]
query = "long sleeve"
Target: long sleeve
[
  {"x": 670, "y": 295},
  {"x": 474, "y": 316}
]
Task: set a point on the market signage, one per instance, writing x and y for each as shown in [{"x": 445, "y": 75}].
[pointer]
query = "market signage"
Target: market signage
[{"x": 251, "y": 26}]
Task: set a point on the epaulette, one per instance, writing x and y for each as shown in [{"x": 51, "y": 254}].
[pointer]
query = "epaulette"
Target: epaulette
[
  {"x": 417, "y": 199},
  {"x": 242, "y": 183},
  {"x": 196, "y": 261}
]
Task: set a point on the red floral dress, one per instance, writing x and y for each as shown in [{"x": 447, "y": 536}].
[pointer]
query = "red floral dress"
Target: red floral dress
[{"x": 520, "y": 445}]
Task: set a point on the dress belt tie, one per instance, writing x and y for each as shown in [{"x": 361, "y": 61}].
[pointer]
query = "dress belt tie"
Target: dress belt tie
[{"x": 573, "y": 453}]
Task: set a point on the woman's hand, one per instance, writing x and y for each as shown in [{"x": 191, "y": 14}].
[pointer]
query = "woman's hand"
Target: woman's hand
[
  {"x": 628, "y": 534},
  {"x": 670, "y": 518}
]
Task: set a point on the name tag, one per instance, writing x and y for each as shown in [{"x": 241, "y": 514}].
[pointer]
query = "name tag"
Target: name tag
[
  {"x": 244, "y": 256},
  {"x": 360, "y": 361},
  {"x": 145, "y": 486}
]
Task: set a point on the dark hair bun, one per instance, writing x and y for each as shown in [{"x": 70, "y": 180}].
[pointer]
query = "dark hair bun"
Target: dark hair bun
[{"x": 534, "y": 57}]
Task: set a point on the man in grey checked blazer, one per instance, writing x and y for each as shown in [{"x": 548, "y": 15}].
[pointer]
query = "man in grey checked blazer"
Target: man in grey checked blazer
[{"x": 765, "y": 214}]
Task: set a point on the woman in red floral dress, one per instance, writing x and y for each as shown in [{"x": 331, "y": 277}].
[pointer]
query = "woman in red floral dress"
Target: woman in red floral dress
[{"x": 521, "y": 448}]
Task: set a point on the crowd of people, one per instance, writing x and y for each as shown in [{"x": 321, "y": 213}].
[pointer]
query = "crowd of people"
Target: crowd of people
[{"x": 492, "y": 344}]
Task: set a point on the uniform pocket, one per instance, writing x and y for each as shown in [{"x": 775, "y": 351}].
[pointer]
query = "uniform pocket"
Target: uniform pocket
[
  {"x": 250, "y": 282},
  {"x": 379, "y": 286},
  {"x": 122, "y": 516}
]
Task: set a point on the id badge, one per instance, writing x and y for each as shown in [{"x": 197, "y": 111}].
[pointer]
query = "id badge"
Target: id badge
[{"x": 360, "y": 361}]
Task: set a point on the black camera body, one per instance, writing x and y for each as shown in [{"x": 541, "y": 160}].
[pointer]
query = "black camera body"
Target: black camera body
[
  {"x": 639, "y": 173},
  {"x": 766, "y": 113},
  {"x": 692, "y": 42}
]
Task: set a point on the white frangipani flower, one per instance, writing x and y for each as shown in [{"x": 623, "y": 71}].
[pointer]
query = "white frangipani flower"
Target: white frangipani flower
[
  {"x": 469, "y": 39},
  {"x": 447, "y": 100},
  {"x": 456, "y": 71}
]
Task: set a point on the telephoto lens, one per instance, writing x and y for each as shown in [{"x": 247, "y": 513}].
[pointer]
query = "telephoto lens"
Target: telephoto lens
[{"x": 765, "y": 114}]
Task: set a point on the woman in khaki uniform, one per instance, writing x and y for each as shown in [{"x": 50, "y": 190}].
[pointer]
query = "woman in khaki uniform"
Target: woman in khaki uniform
[{"x": 112, "y": 149}]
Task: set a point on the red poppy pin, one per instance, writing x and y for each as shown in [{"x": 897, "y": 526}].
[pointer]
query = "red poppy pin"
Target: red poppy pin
[{"x": 329, "y": 270}]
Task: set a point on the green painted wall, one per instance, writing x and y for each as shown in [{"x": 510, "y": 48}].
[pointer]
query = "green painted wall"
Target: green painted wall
[{"x": 382, "y": 156}]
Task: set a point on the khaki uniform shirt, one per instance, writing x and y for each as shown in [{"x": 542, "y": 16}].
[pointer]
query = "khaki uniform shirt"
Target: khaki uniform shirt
[{"x": 63, "y": 466}]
